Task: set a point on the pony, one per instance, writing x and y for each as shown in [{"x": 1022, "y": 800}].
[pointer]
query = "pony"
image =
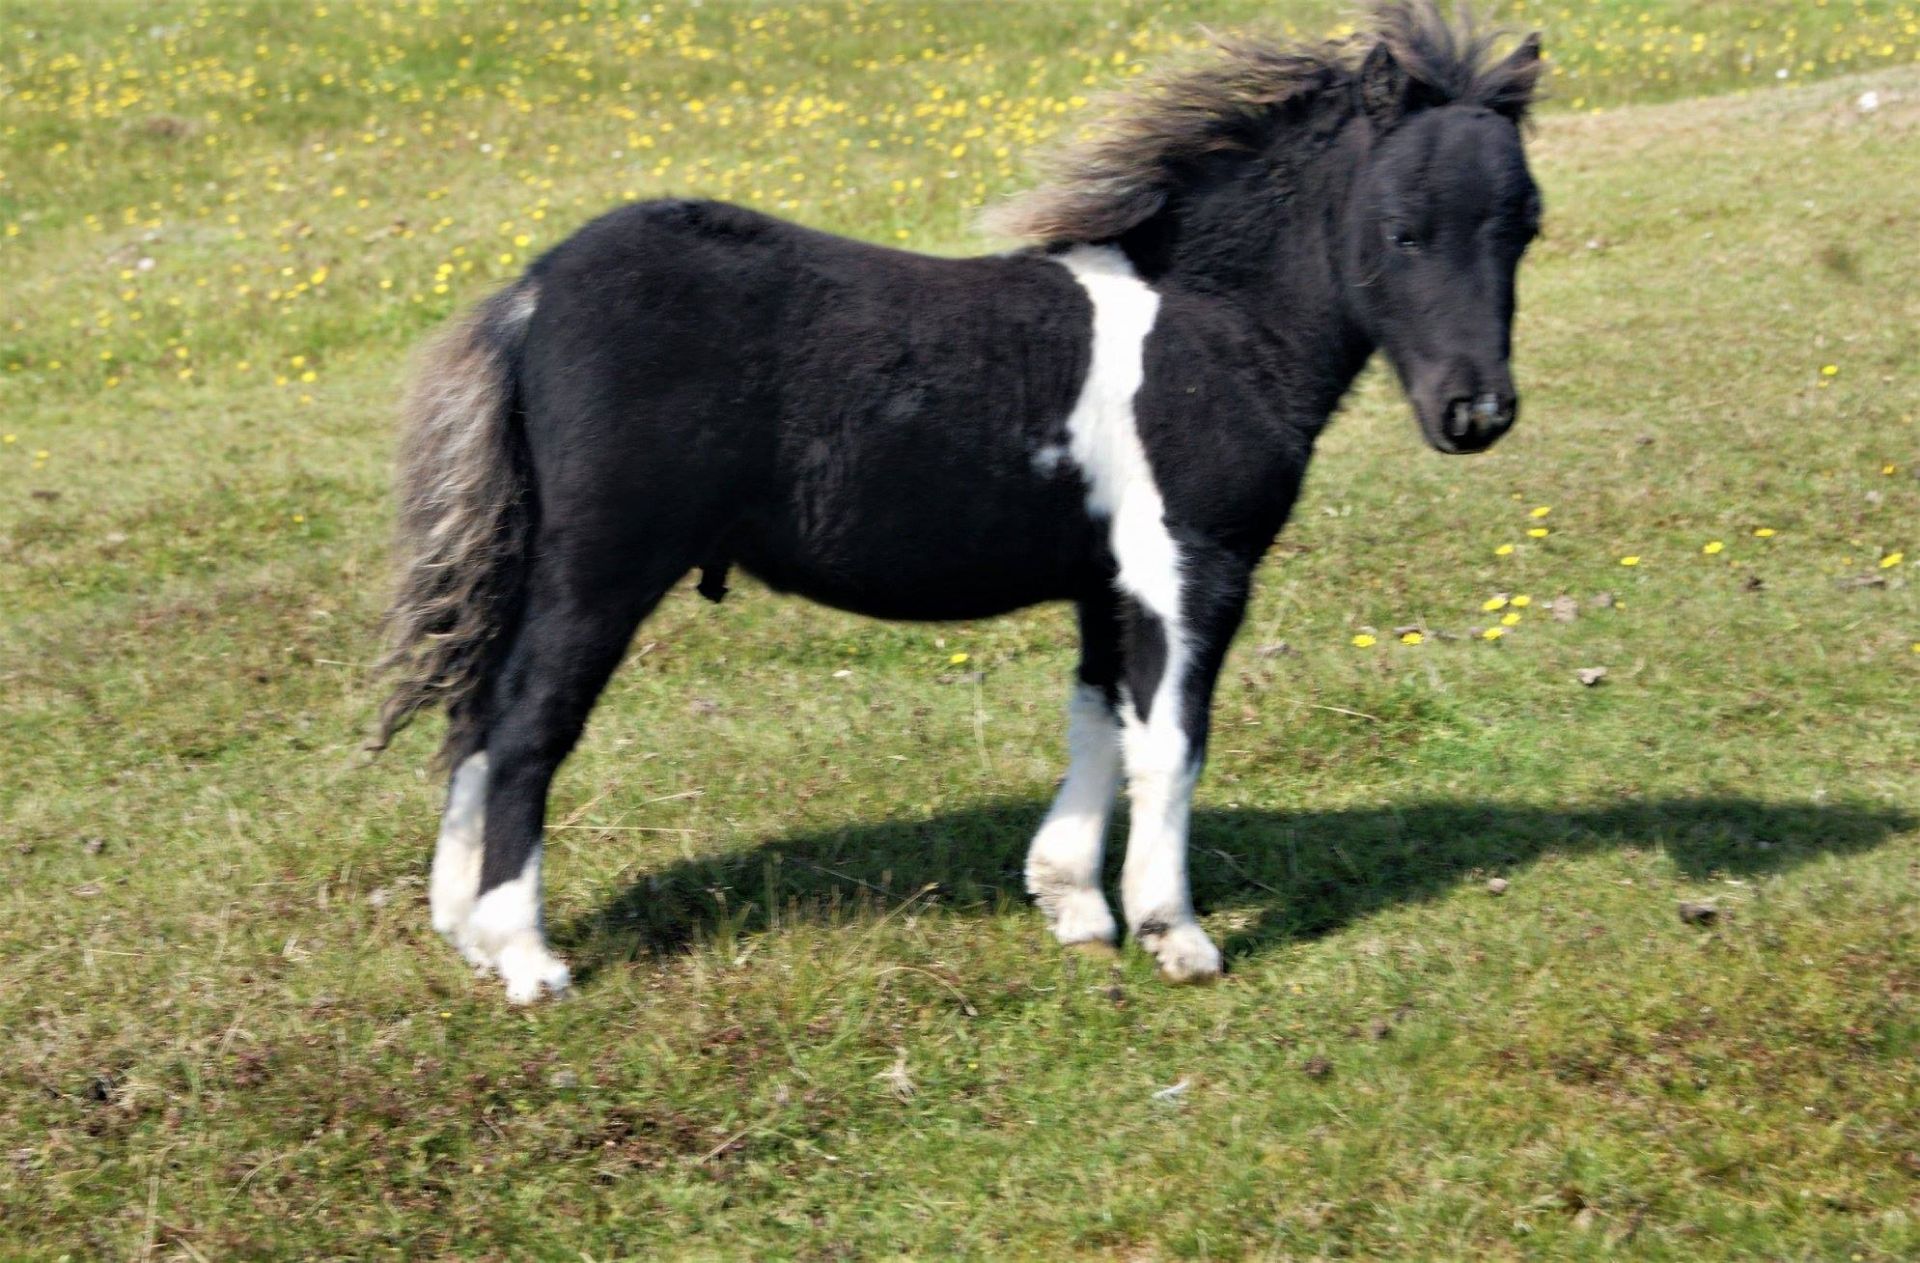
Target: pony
[{"x": 1118, "y": 415}]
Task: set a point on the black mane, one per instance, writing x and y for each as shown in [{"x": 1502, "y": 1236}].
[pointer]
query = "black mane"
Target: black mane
[{"x": 1251, "y": 88}]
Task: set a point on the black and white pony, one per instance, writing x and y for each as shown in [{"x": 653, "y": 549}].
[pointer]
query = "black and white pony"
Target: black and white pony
[{"x": 1119, "y": 416}]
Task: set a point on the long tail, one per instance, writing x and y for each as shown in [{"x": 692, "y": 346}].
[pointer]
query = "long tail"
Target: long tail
[{"x": 466, "y": 514}]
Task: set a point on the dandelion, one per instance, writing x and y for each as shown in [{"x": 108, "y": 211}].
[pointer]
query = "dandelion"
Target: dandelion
[
  {"x": 1764, "y": 532},
  {"x": 1493, "y": 603},
  {"x": 1493, "y": 633},
  {"x": 1712, "y": 547},
  {"x": 1892, "y": 559},
  {"x": 1505, "y": 550},
  {"x": 1540, "y": 510},
  {"x": 1538, "y": 532},
  {"x": 1521, "y": 602},
  {"x": 1632, "y": 560},
  {"x": 1364, "y": 641},
  {"x": 1829, "y": 370},
  {"x": 955, "y": 660},
  {"x": 1411, "y": 638}
]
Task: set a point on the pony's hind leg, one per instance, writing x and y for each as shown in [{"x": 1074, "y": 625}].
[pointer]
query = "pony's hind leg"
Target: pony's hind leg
[
  {"x": 1063, "y": 864},
  {"x": 571, "y": 637}
]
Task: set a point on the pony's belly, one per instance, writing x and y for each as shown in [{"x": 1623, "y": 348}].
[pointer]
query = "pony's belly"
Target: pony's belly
[{"x": 941, "y": 572}]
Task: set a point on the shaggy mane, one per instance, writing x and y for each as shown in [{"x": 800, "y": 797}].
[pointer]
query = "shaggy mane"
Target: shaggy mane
[{"x": 1125, "y": 172}]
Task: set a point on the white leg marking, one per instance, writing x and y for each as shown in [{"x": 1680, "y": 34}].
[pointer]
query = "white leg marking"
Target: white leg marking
[
  {"x": 1153, "y": 884},
  {"x": 1063, "y": 864},
  {"x": 504, "y": 934},
  {"x": 456, "y": 856},
  {"x": 1105, "y": 443}
]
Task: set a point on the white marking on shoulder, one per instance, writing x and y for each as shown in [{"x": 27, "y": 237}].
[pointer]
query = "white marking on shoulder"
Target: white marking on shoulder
[
  {"x": 1047, "y": 460},
  {"x": 521, "y": 306},
  {"x": 1102, "y": 433}
]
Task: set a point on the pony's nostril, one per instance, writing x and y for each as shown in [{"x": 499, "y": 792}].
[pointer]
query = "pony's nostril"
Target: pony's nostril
[
  {"x": 1459, "y": 418},
  {"x": 1487, "y": 407}
]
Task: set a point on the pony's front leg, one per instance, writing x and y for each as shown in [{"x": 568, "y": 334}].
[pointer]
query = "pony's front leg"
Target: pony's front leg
[
  {"x": 1063, "y": 864},
  {"x": 1170, "y": 668}
]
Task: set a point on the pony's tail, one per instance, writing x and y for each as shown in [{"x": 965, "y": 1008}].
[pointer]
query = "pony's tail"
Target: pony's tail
[{"x": 466, "y": 515}]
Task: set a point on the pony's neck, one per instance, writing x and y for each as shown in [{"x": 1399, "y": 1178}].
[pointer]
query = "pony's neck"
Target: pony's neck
[{"x": 1270, "y": 243}]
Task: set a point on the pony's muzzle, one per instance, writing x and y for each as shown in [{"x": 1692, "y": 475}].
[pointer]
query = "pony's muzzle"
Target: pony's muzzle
[{"x": 1473, "y": 423}]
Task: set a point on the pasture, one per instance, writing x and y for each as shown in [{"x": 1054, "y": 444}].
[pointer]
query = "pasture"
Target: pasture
[{"x": 815, "y": 1017}]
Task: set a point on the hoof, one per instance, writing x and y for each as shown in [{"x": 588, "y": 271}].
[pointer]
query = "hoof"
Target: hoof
[
  {"x": 1185, "y": 953},
  {"x": 1081, "y": 917},
  {"x": 522, "y": 961},
  {"x": 531, "y": 971}
]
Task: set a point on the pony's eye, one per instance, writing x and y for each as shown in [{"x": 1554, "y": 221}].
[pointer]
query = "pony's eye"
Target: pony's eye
[{"x": 1404, "y": 240}]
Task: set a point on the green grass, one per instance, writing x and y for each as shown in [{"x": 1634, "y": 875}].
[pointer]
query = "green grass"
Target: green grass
[{"x": 227, "y": 1032}]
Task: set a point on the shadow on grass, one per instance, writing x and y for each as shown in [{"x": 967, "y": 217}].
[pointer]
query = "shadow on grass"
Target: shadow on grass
[{"x": 1304, "y": 873}]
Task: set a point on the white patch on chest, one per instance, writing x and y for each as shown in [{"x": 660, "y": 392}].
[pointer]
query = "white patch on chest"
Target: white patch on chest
[{"x": 1102, "y": 436}]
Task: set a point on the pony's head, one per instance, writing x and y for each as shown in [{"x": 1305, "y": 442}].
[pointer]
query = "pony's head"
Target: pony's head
[
  {"x": 1381, "y": 175},
  {"x": 1442, "y": 208}
]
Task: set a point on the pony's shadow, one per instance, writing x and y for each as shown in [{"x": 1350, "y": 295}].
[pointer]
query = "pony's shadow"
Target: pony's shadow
[{"x": 1302, "y": 873}]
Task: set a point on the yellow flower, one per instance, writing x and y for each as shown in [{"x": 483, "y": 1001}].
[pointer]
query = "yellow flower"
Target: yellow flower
[
  {"x": 1411, "y": 638},
  {"x": 1505, "y": 550},
  {"x": 1510, "y": 619},
  {"x": 9, "y": 438},
  {"x": 1764, "y": 532},
  {"x": 1493, "y": 603},
  {"x": 1892, "y": 559},
  {"x": 1630, "y": 561},
  {"x": 1493, "y": 633},
  {"x": 1889, "y": 470},
  {"x": 956, "y": 659},
  {"x": 1521, "y": 602},
  {"x": 1829, "y": 370},
  {"x": 1540, "y": 510},
  {"x": 1364, "y": 641},
  {"x": 1713, "y": 546},
  {"x": 1538, "y": 532}
]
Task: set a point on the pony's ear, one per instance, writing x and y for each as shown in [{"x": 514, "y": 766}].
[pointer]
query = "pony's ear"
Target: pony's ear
[
  {"x": 1386, "y": 90},
  {"x": 1388, "y": 93},
  {"x": 1514, "y": 79}
]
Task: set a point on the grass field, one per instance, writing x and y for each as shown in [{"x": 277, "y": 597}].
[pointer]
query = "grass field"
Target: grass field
[{"x": 815, "y": 1016}]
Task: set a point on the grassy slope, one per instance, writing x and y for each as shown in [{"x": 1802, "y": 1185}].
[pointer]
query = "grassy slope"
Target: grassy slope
[{"x": 226, "y": 1030}]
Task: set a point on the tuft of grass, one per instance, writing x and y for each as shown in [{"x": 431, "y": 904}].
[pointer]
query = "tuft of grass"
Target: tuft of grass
[{"x": 815, "y": 1015}]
